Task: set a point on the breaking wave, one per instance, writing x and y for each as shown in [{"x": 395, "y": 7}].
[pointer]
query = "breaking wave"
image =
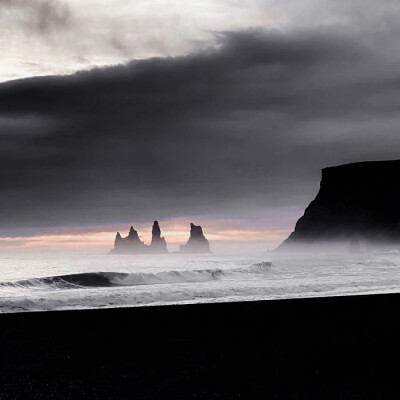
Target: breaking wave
[{"x": 115, "y": 279}]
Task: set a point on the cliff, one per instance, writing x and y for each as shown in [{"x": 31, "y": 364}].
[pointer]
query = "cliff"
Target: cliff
[
  {"x": 357, "y": 204},
  {"x": 197, "y": 242}
]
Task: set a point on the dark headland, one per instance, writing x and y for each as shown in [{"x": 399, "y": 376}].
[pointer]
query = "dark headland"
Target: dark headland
[
  {"x": 196, "y": 244},
  {"x": 358, "y": 205},
  {"x": 327, "y": 348}
]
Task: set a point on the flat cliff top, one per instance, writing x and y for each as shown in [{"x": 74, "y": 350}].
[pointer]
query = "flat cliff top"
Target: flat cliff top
[{"x": 355, "y": 201}]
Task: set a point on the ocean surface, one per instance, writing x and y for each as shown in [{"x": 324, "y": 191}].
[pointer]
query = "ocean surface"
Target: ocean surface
[{"x": 104, "y": 281}]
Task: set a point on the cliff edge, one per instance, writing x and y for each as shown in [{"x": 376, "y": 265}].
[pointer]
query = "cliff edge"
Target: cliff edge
[{"x": 357, "y": 204}]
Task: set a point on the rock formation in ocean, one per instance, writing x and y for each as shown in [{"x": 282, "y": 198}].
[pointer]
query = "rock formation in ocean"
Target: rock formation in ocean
[
  {"x": 197, "y": 242},
  {"x": 158, "y": 243},
  {"x": 130, "y": 244},
  {"x": 357, "y": 204}
]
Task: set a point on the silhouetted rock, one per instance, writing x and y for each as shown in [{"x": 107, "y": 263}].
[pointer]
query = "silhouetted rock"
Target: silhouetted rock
[
  {"x": 197, "y": 242},
  {"x": 118, "y": 240},
  {"x": 357, "y": 203},
  {"x": 129, "y": 245},
  {"x": 133, "y": 236},
  {"x": 158, "y": 243},
  {"x": 133, "y": 245}
]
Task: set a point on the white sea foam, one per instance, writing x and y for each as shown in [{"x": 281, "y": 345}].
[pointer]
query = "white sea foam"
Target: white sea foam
[
  {"x": 111, "y": 279},
  {"x": 101, "y": 281}
]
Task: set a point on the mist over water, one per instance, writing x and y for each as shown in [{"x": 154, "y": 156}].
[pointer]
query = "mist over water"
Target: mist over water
[{"x": 97, "y": 281}]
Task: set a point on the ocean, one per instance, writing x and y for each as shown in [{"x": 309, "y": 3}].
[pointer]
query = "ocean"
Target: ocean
[{"x": 108, "y": 281}]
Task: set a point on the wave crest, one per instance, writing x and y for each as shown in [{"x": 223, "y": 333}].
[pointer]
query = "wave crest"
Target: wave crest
[{"x": 113, "y": 279}]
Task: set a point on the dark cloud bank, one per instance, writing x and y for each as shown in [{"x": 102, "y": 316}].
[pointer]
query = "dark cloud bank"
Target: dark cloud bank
[{"x": 244, "y": 126}]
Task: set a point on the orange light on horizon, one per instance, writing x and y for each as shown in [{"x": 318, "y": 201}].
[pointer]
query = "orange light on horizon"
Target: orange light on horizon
[{"x": 176, "y": 231}]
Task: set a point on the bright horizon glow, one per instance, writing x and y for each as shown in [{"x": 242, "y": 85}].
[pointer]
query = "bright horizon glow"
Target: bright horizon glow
[{"x": 222, "y": 234}]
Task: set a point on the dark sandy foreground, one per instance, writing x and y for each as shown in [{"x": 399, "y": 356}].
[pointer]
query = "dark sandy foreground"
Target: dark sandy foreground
[{"x": 328, "y": 348}]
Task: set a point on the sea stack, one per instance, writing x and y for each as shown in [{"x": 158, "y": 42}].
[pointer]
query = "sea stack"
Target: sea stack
[
  {"x": 133, "y": 245},
  {"x": 130, "y": 244},
  {"x": 197, "y": 242},
  {"x": 158, "y": 243},
  {"x": 357, "y": 208}
]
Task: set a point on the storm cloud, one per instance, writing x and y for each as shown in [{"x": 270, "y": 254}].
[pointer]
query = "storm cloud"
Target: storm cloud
[{"x": 246, "y": 124}]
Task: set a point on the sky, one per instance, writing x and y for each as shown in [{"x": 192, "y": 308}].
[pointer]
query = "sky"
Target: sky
[{"x": 215, "y": 112}]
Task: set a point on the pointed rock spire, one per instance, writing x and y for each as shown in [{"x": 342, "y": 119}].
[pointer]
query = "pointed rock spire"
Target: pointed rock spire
[
  {"x": 133, "y": 235},
  {"x": 118, "y": 240},
  {"x": 197, "y": 242},
  {"x": 156, "y": 231},
  {"x": 158, "y": 243},
  {"x": 130, "y": 244}
]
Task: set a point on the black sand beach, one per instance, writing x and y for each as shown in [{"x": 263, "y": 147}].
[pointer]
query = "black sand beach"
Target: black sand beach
[{"x": 326, "y": 348}]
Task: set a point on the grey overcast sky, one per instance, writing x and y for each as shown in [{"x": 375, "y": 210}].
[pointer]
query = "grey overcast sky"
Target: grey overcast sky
[{"x": 188, "y": 108}]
